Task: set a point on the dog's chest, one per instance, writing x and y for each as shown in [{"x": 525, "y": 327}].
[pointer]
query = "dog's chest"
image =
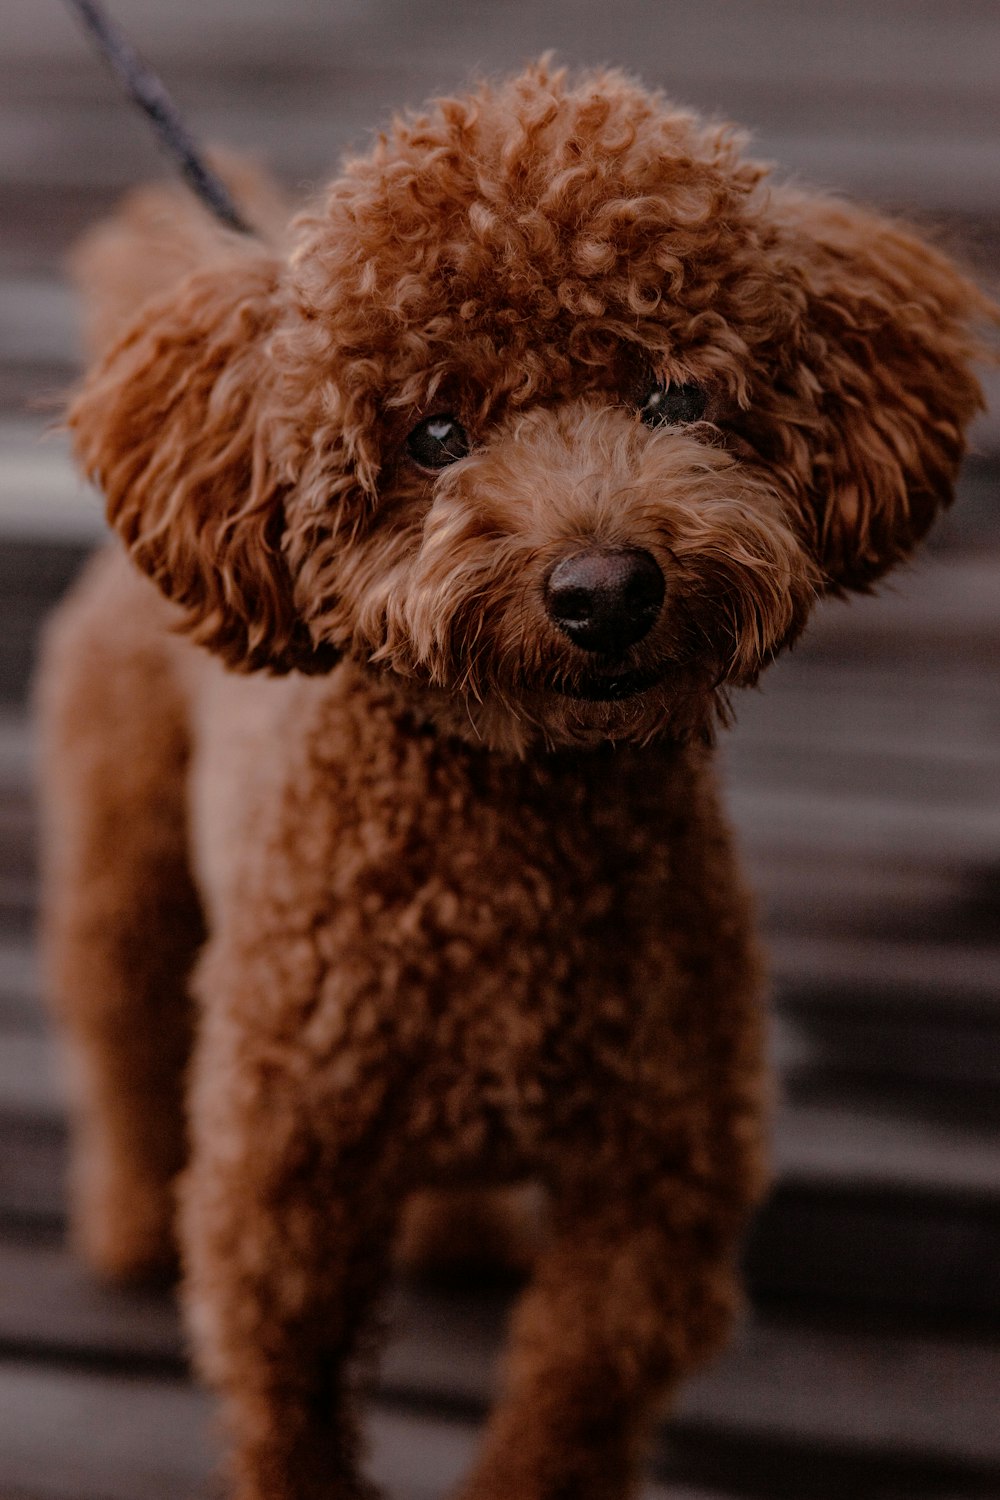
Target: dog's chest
[
  {"x": 478, "y": 932},
  {"x": 517, "y": 920}
]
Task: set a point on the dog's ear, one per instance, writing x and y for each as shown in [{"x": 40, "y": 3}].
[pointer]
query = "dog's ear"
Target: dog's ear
[
  {"x": 885, "y": 338},
  {"x": 172, "y": 426}
]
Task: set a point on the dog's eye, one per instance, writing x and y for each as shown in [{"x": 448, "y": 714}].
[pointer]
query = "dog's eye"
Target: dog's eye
[
  {"x": 437, "y": 442},
  {"x": 673, "y": 405}
]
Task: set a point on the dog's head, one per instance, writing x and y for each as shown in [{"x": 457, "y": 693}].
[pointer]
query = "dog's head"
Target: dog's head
[{"x": 557, "y": 410}]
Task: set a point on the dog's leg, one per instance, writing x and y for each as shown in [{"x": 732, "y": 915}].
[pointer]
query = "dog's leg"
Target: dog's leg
[
  {"x": 288, "y": 1213},
  {"x": 638, "y": 1285},
  {"x": 649, "y": 1201},
  {"x": 120, "y": 924},
  {"x": 633, "y": 1293}
]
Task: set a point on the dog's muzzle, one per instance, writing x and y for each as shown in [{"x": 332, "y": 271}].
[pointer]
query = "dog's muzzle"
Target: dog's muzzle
[{"x": 605, "y": 599}]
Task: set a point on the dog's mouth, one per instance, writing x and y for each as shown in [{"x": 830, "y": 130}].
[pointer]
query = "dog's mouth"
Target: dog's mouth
[{"x": 602, "y": 687}]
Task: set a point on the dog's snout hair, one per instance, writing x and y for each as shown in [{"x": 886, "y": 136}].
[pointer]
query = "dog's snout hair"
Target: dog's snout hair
[{"x": 722, "y": 582}]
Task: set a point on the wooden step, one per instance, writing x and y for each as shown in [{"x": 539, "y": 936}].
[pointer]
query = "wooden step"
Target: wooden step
[
  {"x": 33, "y": 575},
  {"x": 20, "y": 1005}
]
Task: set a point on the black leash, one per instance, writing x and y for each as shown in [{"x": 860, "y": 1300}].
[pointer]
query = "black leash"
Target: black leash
[{"x": 146, "y": 89}]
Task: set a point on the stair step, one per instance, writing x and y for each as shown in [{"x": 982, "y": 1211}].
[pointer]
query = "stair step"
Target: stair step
[{"x": 20, "y": 1005}]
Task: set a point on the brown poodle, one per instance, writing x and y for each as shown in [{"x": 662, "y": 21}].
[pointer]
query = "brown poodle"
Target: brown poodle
[{"x": 484, "y": 484}]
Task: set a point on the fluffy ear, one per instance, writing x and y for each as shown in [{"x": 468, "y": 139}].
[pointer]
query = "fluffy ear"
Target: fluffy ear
[
  {"x": 171, "y": 425},
  {"x": 885, "y": 340}
]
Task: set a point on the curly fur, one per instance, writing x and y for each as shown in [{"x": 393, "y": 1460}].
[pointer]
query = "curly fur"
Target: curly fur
[{"x": 473, "y": 916}]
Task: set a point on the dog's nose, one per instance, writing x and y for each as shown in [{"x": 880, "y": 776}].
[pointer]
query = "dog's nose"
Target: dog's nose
[{"x": 605, "y": 598}]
